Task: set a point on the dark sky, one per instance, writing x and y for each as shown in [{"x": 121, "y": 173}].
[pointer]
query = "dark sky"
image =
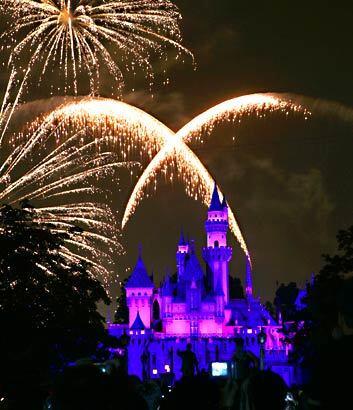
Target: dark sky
[{"x": 289, "y": 181}]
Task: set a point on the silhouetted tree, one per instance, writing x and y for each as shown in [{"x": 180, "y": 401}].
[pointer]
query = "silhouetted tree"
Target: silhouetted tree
[
  {"x": 270, "y": 308},
  {"x": 285, "y": 298},
  {"x": 312, "y": 327},
  {"x": 236, "y": 290},
  {"x": 48, "y": 312},
  {"x": 330, "y": 304},
  {"x": 122, "y": 311},
  {"x": 323, "y": 298}
]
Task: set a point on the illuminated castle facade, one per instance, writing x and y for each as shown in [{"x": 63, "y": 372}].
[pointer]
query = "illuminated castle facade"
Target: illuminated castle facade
[{"x": 195, "y": 307}]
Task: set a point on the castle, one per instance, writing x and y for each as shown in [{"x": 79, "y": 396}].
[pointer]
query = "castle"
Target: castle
[{"x": 196, "y": 307}]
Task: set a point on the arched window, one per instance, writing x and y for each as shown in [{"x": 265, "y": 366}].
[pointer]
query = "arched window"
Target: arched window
[
  {"x": 156, "y": 310},
  {"x": 216, "y": 244}
]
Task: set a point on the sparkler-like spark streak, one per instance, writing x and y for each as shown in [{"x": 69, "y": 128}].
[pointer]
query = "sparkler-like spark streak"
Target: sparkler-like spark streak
[
  {"x": 132, "y": 131},
  {"x": 50, "y": 167},
  {"x": 87, "y": 36},
  {"x": 201, "y": 184},
  {"x": 116, "y": 126}
]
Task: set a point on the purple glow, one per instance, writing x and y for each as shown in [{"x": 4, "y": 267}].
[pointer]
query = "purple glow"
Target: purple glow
[{"x": 163, "y": 320}]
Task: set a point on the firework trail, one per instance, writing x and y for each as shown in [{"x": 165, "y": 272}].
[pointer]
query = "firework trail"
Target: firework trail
[
  {"x": 57, "y": 172},
  {"x": 133, "y": 133},
  {"x": 199, "y": 183},
  {"x": 84, "y": 134},
  {"x": 86, "y": 36}
]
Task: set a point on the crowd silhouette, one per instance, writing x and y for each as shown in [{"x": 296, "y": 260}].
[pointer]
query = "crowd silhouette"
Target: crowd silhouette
[{"x": 91, "y": 387}]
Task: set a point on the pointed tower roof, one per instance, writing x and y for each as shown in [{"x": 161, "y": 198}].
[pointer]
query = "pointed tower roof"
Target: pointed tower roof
[
  {"x": 139, "y": 277},
  {"x": 248, "y": 278},
  {"x": 193, "y": 268},
  {"x": 215, "y": 204},
  {"x": 167, "y": 289},
  {"x": 182, "y": 238},
  {"x": 138, "y": 324}
]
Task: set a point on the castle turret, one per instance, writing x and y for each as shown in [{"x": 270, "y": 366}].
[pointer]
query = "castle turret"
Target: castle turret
[
  {"x": 139, "y": 290},
  {"x": 167, "y": 297},
  {"x": 217, "y": 254},
  {"x": 182, "y": 254},
  {"x": 248, "y": 279}
]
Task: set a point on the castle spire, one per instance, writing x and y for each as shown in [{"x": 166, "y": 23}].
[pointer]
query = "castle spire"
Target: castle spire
[
  {"x": 182, "y": 241},
  {"x": 139, "y": 277},
  {"x": 138, "y": 323},
  {"x": 248, "y": 279},
  {"x": 215, "y": 204}
]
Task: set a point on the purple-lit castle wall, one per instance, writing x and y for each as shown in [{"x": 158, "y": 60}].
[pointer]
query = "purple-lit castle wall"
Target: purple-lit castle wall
[{"x": 197, "y": 308}]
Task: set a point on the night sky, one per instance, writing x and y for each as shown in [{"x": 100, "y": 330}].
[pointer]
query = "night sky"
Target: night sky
[{"x": 288, "y": 180}]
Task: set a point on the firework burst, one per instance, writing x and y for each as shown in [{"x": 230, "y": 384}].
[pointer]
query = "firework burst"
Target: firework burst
[
  {"x": 90, "y": 137},
  {"x": 58, "y": 173},
  {"x": 197, "y": 181},
  {"x": 135, "y": 135},
  {"x": 86, "y": 37}
]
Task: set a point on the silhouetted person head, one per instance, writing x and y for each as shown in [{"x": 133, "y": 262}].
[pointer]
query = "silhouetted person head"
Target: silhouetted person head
[
  {"x": 266, "y": 390},
  {"x": 189, "y": 362}
]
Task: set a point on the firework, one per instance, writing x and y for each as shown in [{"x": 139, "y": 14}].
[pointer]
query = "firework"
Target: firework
[
  {"x": 86, "y": 36},
  {"x": 57, "y": 172},
  {"x": 135, "y": 135},
  {"x": 87, "y": 134},
  {"x": 198, "y": 182}
]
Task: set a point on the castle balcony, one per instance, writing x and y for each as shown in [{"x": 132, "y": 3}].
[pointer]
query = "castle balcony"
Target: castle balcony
[
  {"x": 220, "y": 252},
  {"x": 216, "y": 225}
]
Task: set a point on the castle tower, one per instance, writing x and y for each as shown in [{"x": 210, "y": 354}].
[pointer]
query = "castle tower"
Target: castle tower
[
  {"x": 139, "y": 290},
  {"x": 217, "y": 254},
  {"x": 182, "y": 255},
  {"x": 248, "y": 279},
  {"x": 167, "y": 298}
]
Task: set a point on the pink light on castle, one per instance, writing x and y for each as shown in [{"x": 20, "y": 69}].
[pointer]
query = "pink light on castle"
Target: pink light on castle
[{"x": 196, "y": 306}]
